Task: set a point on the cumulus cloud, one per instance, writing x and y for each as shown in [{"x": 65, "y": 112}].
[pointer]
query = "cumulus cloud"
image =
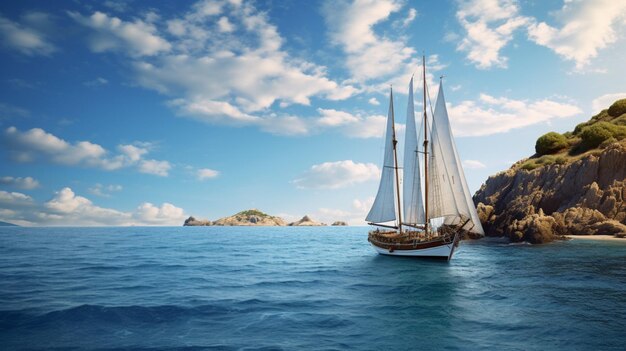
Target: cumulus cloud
[
  {"x": 206, "y": 173},
  {"x": 160, "y": 168},
  {"x": 473, "y": 164},
  {"x": 373, "y": 101},
  {"x": 339, "y": 174},
  {"x": 36, "y": 144},
  {"x": 369, "y": 55},
  {"x": 28, "y": 37},
  {"x": 66, "y": 208},
  {"x": 603, "y": 102},
  {"x": 232, "y": 43},
  {"x": 585, "y": 28},
  {"x": 138, "y": 38},
  {"x": 489, "y": 27},
  {"x": 26, "y": 183},
  {"x": 14, "y": 198},
  {"x": 491, "y": 115}
]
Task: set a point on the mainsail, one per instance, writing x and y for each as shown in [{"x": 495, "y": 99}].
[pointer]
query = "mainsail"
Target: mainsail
[
  {"x": 412, "y": 185},
  {"x": 449, "y": 188},
  {"x": 383, "y": 209}
]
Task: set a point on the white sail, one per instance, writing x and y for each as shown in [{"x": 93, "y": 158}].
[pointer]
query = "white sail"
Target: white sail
[
  {"x": 383, "y": 209},
  {"x": 447, "y": 174},
  {"x": 412, "y": 185}
]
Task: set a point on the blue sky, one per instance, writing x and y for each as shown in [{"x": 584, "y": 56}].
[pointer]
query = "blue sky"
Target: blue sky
[{"x": 146, "y": 112}]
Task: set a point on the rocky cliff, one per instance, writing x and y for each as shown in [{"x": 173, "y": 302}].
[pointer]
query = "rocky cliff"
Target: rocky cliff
[
  {"x": 306, "y": 221},
  {"x": 251, "y": 217},
  {"x": 585, "y": 196},
  {"x": 193, "y": 222}
]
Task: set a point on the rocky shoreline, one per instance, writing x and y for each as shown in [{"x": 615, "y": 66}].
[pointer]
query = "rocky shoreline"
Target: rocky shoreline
[{"x": 585, "y": 197}]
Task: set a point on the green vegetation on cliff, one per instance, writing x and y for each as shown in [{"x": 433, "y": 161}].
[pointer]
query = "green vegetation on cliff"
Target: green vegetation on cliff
[{"x": 591, "y": 137}]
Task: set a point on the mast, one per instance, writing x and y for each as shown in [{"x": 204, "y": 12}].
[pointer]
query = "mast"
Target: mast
[
  {"x": 395, "y": 157},
  {"x": 425, "y": 149}
]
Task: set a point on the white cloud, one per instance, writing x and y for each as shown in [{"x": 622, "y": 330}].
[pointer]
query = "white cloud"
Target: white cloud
[
  {"x": 69, "y": 209},
  {"x": 223, "y": 63},
  {"x": 104, "y": 190},
  {"x": 369, "y": 56},
  {"x": 489, "y": 26},
  {"x": 409, "y": 18},
  {"x": 224, "y": 25},
  {"x": 603, "y": 102},
  {"x": 207, "y": 173},
  {"x": 333, "y": 118},
  {"x": 473, "y": 164},
  {"x": 373, "y": 101},
  {"x": 26, "y": 183},
  {"x": 25, "y": 37},
  {"x": 491, "y": 115},
  {"x": 36, "y": 143},
  {"x": 334, "y": 175},
  {"x": 14, "y": 198},
  {"x": 587, "y": 26},
  {"x": 160, "y": 168},
  {"x": 138, "y": 38},
  {"x": 167, "y": 214}
]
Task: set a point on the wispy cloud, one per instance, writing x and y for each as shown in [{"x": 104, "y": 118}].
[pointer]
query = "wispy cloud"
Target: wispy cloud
[
  {"x": 104, "y": 190},
  {"x": 603, "y": 102},
  {"x": 490, "y": 115},
  {"x": 27, "y": 36},
  {"x": 587, "y": 26},
  {"x": 368, "y": 54},
  {"x": 207, "y": 173},
  {"x": 26, "y": 183},
  {"x": 137, "y": 38},
  {"x": 339, "y": 174},
  {"x": 473, "y": 164},
  {"x": 489, "y": 27},
  {"x": 36, "y": 143}
]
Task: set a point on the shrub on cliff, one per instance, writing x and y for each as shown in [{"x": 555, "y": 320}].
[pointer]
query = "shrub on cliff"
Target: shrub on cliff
[
  {"x": 618, "y": 108},
  {"x": 596, "y": 134},
  {"x": 550, "y": 143}
]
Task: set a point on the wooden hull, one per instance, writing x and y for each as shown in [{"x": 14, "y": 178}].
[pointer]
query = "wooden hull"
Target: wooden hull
[{"x": 442, "y": 248}]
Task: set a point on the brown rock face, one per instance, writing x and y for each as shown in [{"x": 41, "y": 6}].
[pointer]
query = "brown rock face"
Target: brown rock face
[
  {"x": 193, "y": 222},
  {"x": 587, "y": 196},
  {"x": 306, "y": 221}
]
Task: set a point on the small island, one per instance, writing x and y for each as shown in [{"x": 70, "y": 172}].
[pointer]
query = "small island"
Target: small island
[
  {"x": 306, "y": 221},
  {"x": 254, "y": 217}
]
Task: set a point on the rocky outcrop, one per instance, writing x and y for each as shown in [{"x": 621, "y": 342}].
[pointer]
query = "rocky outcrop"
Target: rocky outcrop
[
  {"x": 339, "y": 223},
  {"x": 193, "y": 222},
  {"x": 306, "y": 221},
  {"x": 251, "y": 217},
  {"x": 586, "y": 196}
]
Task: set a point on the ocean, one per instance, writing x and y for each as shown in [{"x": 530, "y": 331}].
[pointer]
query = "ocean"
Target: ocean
[{"x": 297, "y": 288}]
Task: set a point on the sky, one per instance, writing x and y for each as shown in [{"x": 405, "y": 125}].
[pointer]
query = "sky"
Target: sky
[{"x": 147, "y": 112}]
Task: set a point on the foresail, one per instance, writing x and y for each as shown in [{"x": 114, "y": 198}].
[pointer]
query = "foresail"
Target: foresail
[
  {"x": 383, "y": 209},
  {"x": 454, "y": 192},
  {"x": 412, "y": 187}
]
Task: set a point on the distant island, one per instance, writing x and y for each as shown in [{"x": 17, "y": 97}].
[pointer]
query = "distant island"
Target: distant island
[
  {"x": 7, "y": 224},
  {"x": 575, "y": 184},
  {"x": 254, "y": 217}
]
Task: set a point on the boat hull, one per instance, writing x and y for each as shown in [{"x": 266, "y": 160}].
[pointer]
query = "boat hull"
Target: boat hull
[{"x": 443, "y": 251}]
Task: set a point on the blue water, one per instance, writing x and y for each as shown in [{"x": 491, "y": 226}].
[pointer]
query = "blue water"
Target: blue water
[{"x": 301, "y": 288}]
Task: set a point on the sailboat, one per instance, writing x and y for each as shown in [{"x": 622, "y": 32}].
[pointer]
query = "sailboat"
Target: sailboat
[{"x": 425, "y": 217}]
